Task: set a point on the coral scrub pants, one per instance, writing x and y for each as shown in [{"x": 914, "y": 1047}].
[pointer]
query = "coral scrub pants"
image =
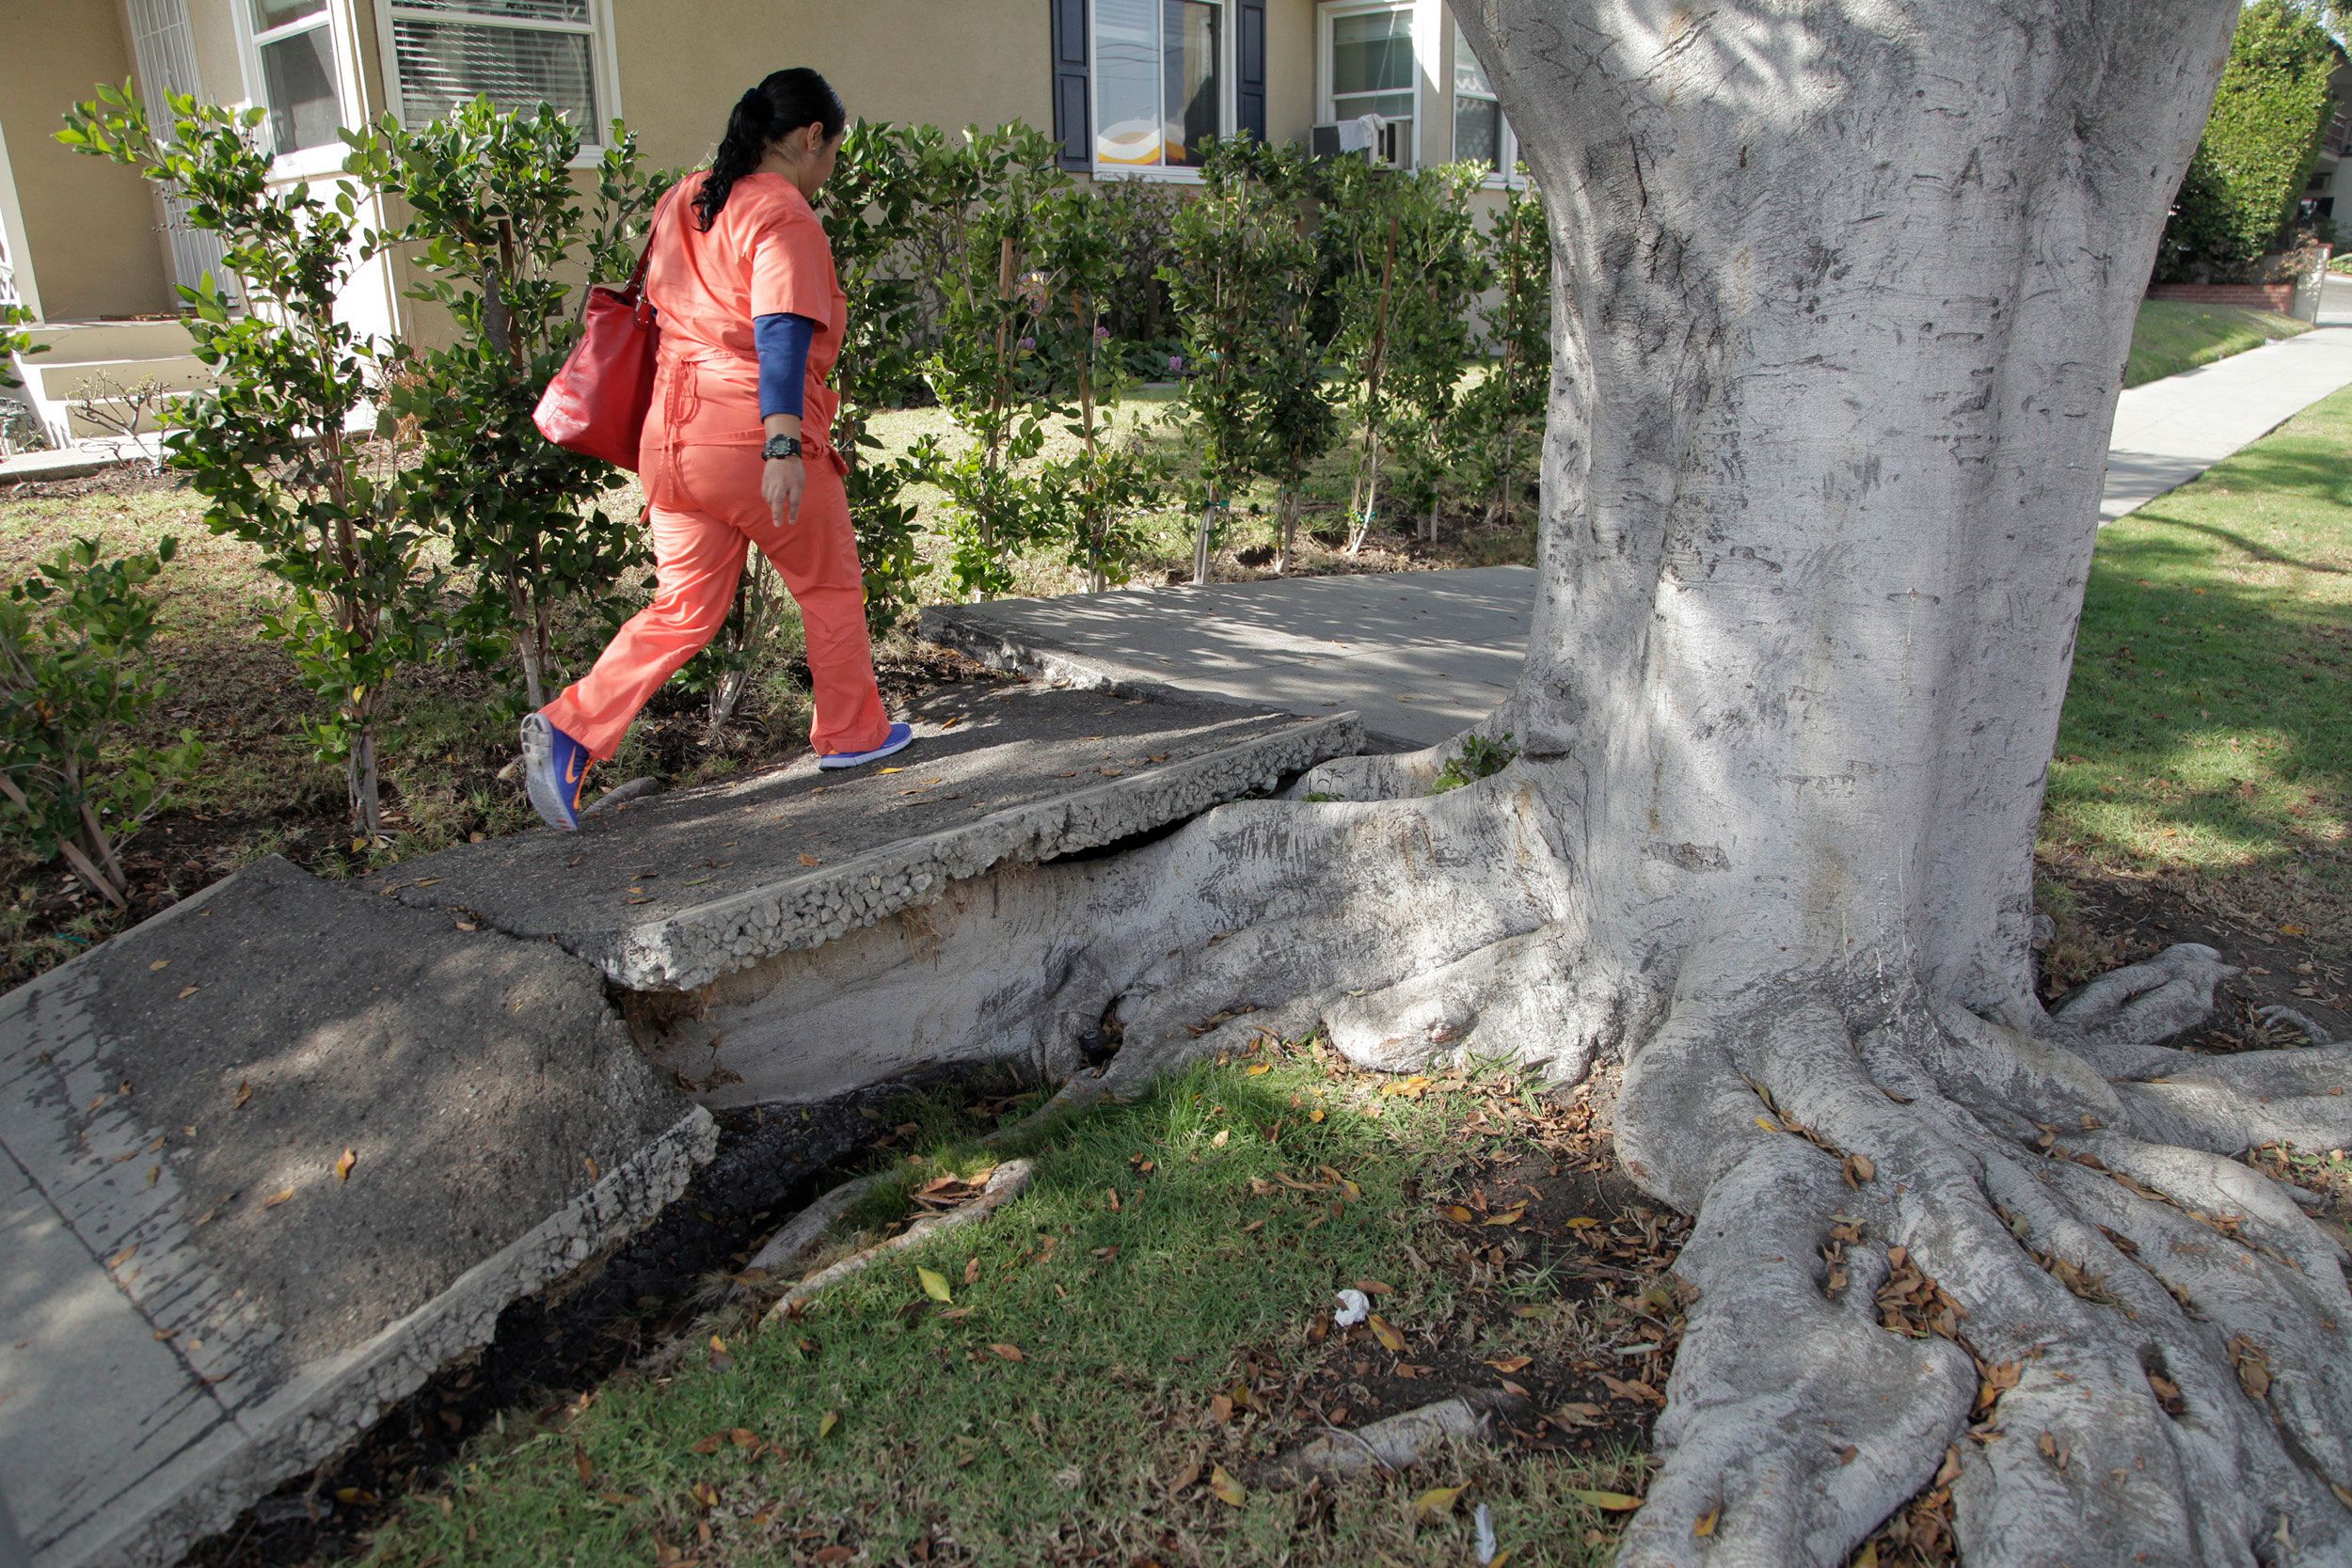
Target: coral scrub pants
[{"x": 706, "y": 510}]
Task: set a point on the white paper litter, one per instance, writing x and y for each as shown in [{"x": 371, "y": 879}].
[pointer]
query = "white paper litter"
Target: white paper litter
[{"x": 1355, "y": 1307}]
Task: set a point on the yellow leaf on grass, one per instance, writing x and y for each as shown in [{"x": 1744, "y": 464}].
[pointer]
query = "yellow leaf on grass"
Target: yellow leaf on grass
[
  {"x": 1583, "y": 1222},
  {"x": 831, "y": 1419},
  {"x": 1011, "y": 1352},
  {"x": 342, "y": 1165},
  {"x": 1218, "y": 1142},
  {"x": 276, "y": 1198},
  {"x": 1616, "y": 1502},
  {"x": 1228, "y": 1490},
  {"x": 934, "y": 1285},
  {"x": 1315, "y": 1114},
  {"x": 1458, "y": 1215},
  {"x": 1435, "y": 1503},
  {"x": 1258, "y": 1069},
  {"x": 1384, "y": 1331}
]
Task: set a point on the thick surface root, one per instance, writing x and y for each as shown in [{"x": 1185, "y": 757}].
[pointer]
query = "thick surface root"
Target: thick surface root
[{"x": 1933, "y": 1249}]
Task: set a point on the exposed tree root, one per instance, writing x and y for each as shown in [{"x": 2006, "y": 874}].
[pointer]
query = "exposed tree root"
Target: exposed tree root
[
  {"x": 1004, "y": 1184},
  {"x": 2025, "y": 1264},
  {"x": 2158, "y": 1333}
]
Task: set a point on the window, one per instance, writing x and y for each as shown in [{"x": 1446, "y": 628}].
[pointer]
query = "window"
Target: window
[
  {"x": 1368, "y": 60},
  {"x": 520, "y": 54},
  {"x": 294, "y": 43},
  {"x": 1159, "y": 82},
  {"x": 1481, "y": 134}
]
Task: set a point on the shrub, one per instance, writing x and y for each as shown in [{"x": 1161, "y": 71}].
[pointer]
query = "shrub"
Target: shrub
[
  {"x": 497, "y": 227},
  {"x": 987, "y": 370},
  {"x": 75, "y": 673},
  {"x": 1499, "y": 427},
  {"x": 2269, "y": 116},
  {"x": 1245, "y": 295},
  {"x": 14, "y": 341},
  {"x": 1085, "y": 505},
  {"x": 870, "y": 206},
  {"x": 1401, "y": 262},
  {"x": 270, "y": 447}
]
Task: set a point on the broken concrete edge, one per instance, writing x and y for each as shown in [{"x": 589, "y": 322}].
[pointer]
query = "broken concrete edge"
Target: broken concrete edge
[
  {"x": 700, "y": 944},
  {"x": 333, "y": 1403},
  {"x": 951, "y": 626}
]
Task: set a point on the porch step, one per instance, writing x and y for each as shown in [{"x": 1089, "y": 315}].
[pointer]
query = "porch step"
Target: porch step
[{"x": 130, "y": 340}]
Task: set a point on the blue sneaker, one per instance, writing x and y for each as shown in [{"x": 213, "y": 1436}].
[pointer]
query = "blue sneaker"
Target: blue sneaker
[
  {"x": 555, "y": 770},
  {"x": 901, "y": 735}
]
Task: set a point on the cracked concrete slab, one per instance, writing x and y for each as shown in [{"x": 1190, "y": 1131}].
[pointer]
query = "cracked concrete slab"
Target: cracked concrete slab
[
  {"x": 673, "y": 892},
  {"x": 202, "y": 1298}
]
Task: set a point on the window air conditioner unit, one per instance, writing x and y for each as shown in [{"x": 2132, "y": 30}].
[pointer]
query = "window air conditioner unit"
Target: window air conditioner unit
[{"x": 1367, "y": 135}]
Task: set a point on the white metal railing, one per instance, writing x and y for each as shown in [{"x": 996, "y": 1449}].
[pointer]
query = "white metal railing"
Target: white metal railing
[{"x": 164, "y": 45}]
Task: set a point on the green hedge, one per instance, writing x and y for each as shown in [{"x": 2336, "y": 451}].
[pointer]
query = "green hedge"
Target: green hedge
[{"x": 2241, "y": 188}]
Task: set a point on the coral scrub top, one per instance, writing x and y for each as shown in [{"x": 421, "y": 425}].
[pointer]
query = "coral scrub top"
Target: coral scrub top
[{"x": 767, "y": 253}]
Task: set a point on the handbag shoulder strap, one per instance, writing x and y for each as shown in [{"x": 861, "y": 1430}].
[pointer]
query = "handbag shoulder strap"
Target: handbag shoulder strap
[{"x": 637, "y": 277}]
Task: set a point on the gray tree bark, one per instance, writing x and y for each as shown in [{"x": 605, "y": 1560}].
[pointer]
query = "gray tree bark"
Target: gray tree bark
[{"x": 1844, "y": 291}]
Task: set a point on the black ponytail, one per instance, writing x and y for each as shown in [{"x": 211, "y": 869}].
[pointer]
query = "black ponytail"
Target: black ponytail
[{"x": 787, "y": 100}]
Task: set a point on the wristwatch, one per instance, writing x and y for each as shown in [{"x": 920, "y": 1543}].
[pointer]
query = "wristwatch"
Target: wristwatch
[{"x": 781, "y": 446}]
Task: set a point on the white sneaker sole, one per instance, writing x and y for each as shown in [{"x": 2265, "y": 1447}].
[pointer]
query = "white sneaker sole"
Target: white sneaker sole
[
  {"x": 859, "y": 759},
  {"x": 539, "y": 780}
]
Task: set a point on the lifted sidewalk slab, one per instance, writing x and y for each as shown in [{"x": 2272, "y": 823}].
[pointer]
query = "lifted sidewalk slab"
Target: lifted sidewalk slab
[
  {"x": 197, "y": 1303},
  {"x": 670, "y": 894},
  {"x": 1419, "y": 656}
]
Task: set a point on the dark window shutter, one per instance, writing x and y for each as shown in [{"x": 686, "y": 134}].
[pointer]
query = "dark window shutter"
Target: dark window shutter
[
  {"x": 1073, "y": 124},
  {"x": 1250, "y": 95}
]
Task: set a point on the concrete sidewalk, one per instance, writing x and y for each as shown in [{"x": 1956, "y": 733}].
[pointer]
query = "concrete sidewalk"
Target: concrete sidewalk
[
  {"x": 1417, "y": 655},
  {"x": 1422, "y": 655},
  {"x": 2168, "y": 431}
]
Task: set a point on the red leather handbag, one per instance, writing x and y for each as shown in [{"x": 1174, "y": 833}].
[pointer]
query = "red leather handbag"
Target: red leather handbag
[{"x": 597, "y": 404}]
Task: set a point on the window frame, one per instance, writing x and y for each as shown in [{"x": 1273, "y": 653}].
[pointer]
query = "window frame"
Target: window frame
[
  {"x": 1327, "y": 19},
  {"x": 334, "y": 18},
  {"x": 1228, "y": 94},
  {"x": 1507, "y": 176},
  {"x": 603, "y": 58}
]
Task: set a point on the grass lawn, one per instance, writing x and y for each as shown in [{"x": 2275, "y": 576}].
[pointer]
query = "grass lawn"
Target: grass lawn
[
  {"x": 2172, "y": 335},
  {"x": 1127, "y": 1348},
  {"x": 2207, "y": 736}
]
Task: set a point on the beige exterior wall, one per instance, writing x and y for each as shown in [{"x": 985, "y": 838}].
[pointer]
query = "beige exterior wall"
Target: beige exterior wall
[
  {"x": 969, "y": 62},
  {"x": 90, "y": 228},
  {"x": 1293, "y": 97}
]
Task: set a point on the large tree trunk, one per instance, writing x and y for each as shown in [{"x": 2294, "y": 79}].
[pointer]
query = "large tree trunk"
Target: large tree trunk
[{"x": 1844, "y": 293}]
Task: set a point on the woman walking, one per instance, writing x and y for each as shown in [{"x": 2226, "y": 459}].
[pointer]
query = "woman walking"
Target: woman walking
[{"x": 736, "y": 449}]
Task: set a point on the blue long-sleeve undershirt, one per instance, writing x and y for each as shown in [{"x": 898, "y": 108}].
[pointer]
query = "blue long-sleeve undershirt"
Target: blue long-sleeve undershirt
[{"x": 784, "y": 340}]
